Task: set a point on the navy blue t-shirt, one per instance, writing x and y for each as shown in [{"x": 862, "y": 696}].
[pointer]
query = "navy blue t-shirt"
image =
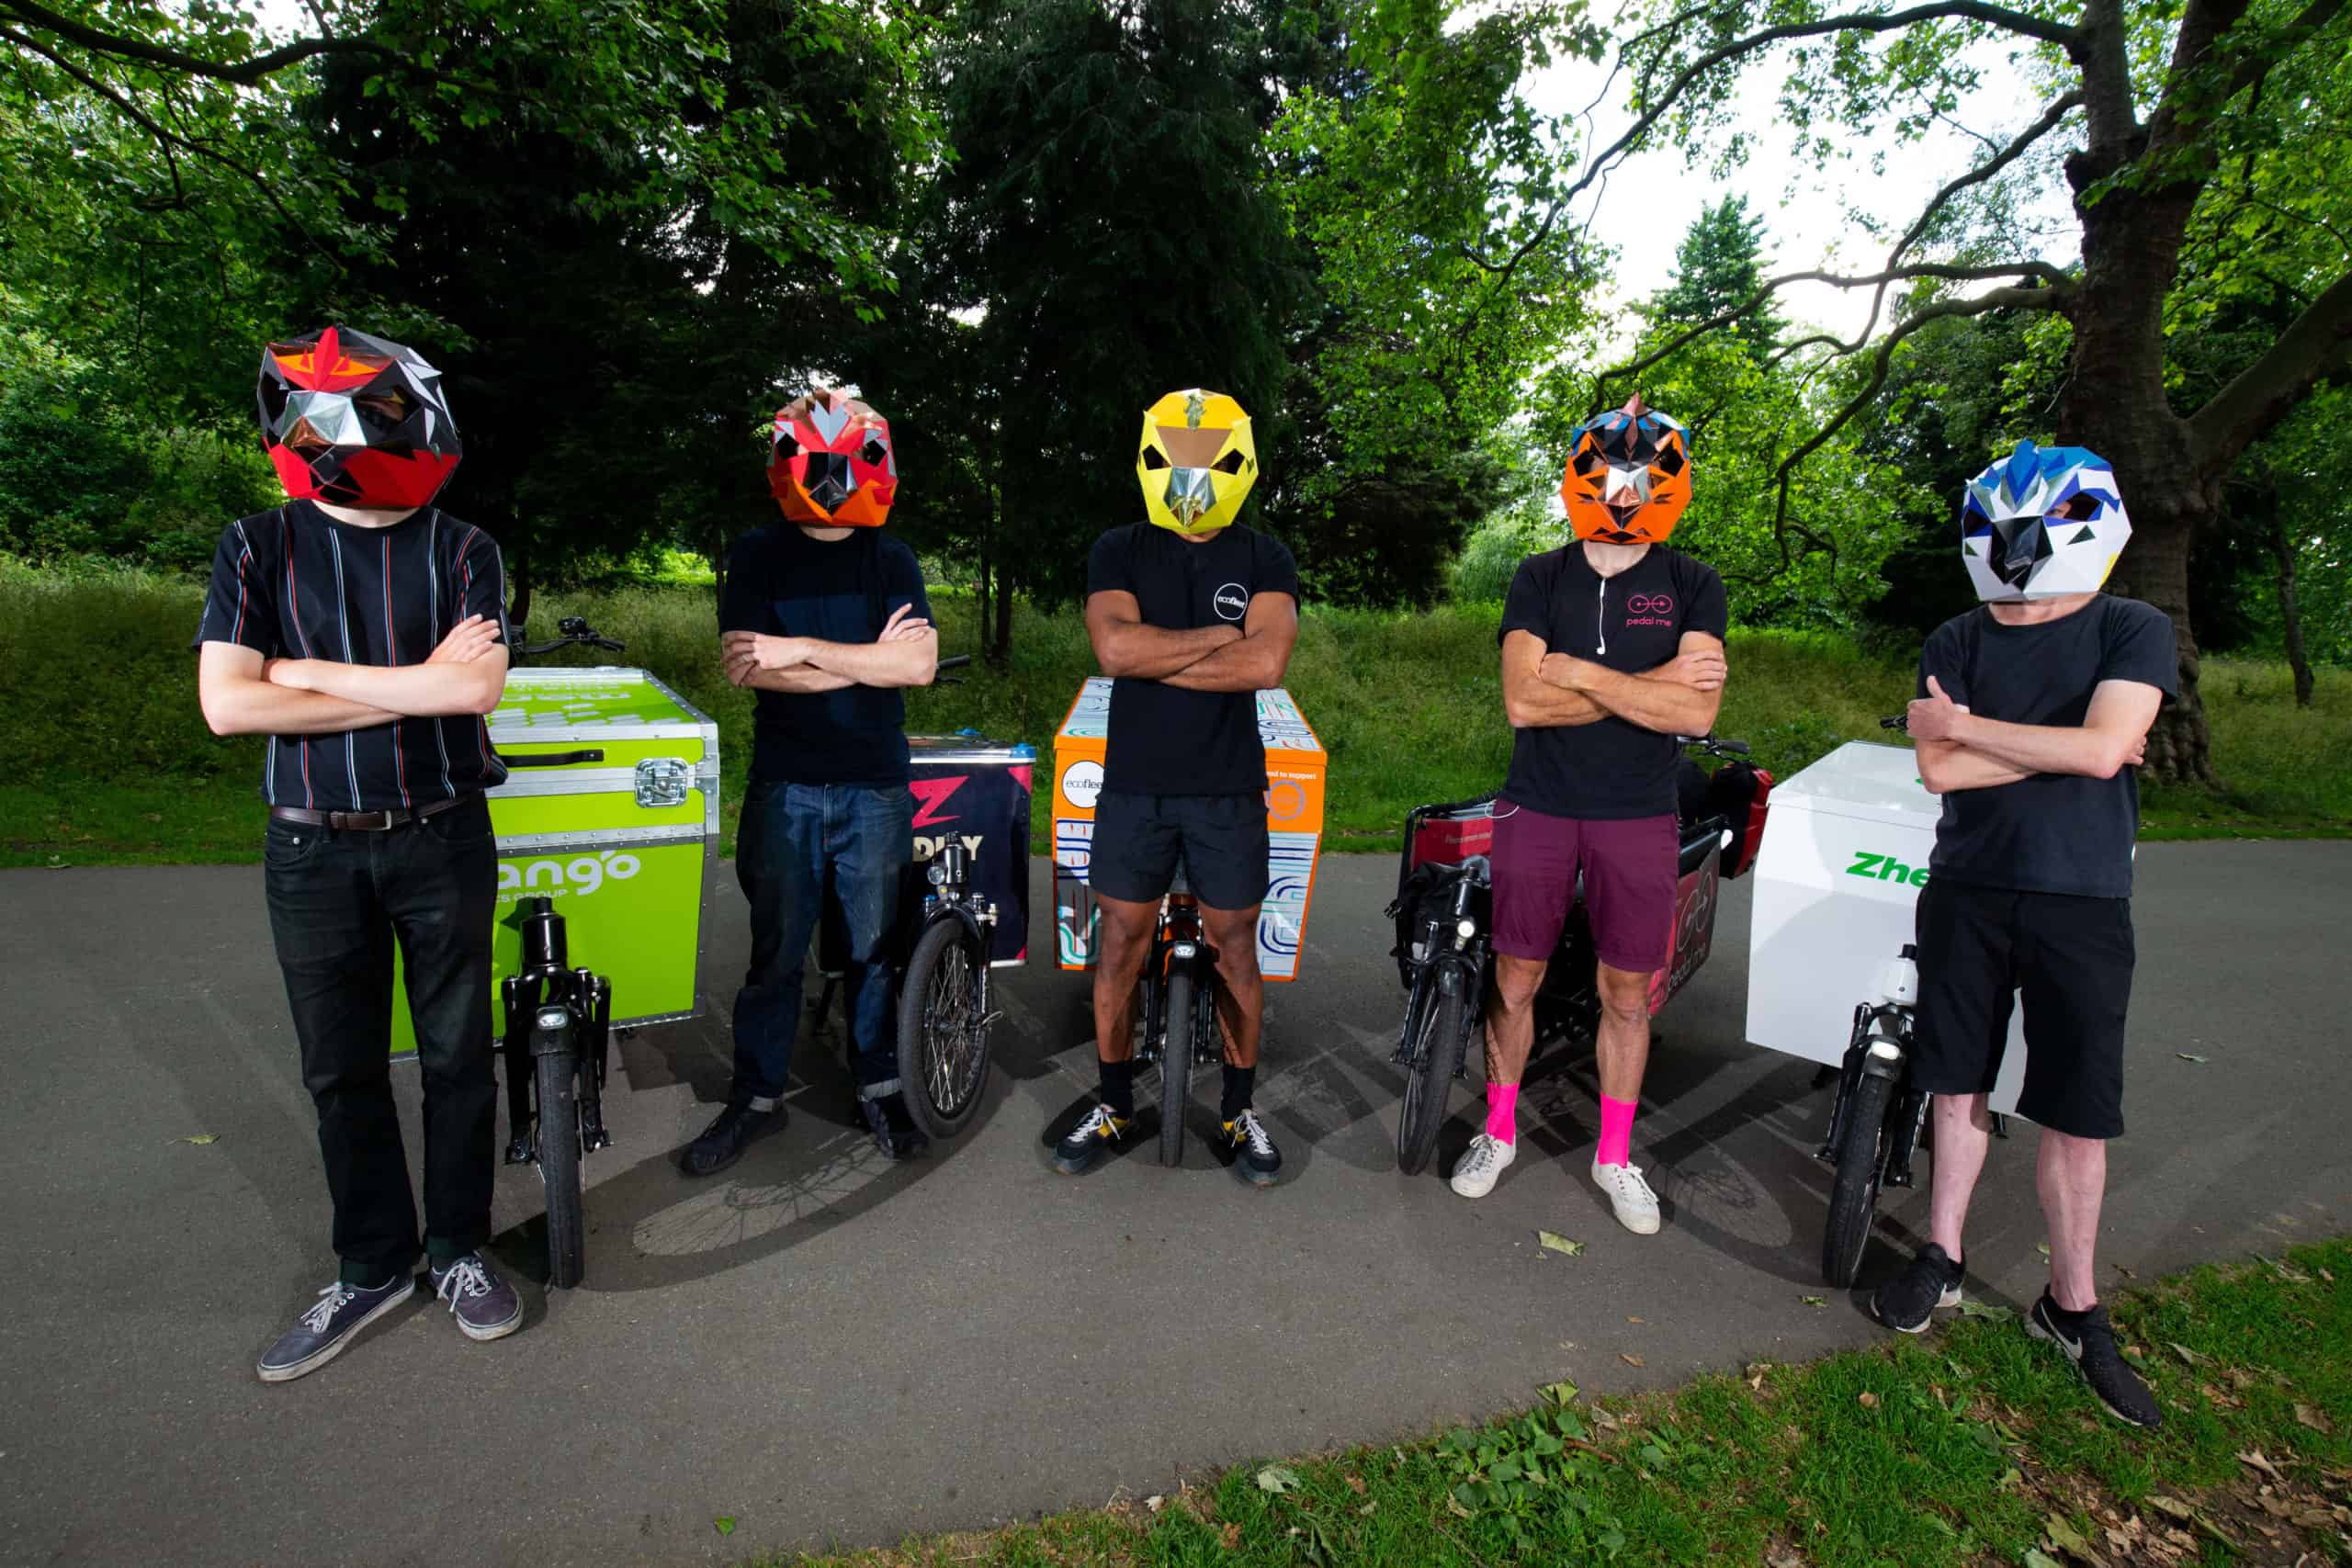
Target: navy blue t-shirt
[
  {"x": 2052, "y": 832},
  {"x": 782, "y": 583}
]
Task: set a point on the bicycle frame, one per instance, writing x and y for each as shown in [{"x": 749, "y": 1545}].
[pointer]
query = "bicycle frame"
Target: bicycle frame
[{"x": 552, "y": 1010}]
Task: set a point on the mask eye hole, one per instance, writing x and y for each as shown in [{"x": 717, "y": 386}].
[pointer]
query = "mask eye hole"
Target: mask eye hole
[
  {"x": 873, "y": 453},
  {"x": 1229, "y": 464},
  {"x": 1669, "y": 462},
  {"x": 786, "y": 448},
  {"x": 1154, "y": 458},
  {"x": 391, "y": 407},
  {"x": 2080, "y": 507}
]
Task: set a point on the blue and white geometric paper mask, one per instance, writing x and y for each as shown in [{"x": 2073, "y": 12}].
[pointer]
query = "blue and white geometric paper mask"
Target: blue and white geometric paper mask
[{"x": 2041, "y": 522}]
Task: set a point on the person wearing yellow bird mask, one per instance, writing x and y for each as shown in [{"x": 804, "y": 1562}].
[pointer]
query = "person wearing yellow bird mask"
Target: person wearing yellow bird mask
[{"x": 1190, "y": 613}]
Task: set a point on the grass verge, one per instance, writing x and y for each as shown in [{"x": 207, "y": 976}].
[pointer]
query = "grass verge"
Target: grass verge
[
  {"x": 105, "y": 759},
  {"x": 1970, "y": 1445}
]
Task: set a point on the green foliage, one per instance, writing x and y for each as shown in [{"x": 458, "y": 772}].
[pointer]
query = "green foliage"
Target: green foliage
[{"x": 1719, "y": 267}]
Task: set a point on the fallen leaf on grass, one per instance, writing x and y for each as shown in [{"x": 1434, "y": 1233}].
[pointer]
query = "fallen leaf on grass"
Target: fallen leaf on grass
[
  {"x": 1368, "y": 1509},
  {"x": 1355, "y": 1484},
  {"x": 2037, "y": 1558},
  {"x": 199, "y": 1139},
  {"x": 724, "y": 1524},
  {"x": 1868, "y": 1400},
  {"x": 1756, "y": 1370},
  {"x": 1814, "y": 1300},
  {"x": 1277, "y": 1478},
  {"x": 1553, "y": 1242},
  {"x": 2194, "y": 1357},
  {"x": 2186, "y": 1058},
  {"x": 1156, "y": 1502},
  {"x": 2310, "y": 1417},
  {"x": 2066, "y": 1537},
  {"x": 1629, "y": 1358},
  {"x": 1452, "y": 1506},
  {"x": 2173, "y": 1506},
  {"x": 1231, "y": 1537},
  {"x": 2253, "y": 1458},
  {"x": 1971, "y": 1307}
]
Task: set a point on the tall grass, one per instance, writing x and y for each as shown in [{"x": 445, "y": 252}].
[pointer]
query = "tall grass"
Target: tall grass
[{"x": 103, "y": 754}]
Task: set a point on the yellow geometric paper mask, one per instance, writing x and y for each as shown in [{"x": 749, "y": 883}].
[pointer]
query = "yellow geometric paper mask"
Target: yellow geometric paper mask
[{"x": 1197, "y": 461}]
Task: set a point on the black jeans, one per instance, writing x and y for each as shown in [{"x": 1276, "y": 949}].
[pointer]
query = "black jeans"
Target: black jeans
[{"x": 337, "y": 901}]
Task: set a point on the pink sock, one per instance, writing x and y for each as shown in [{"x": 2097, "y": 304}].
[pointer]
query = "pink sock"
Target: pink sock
[
  {"x": 1502, "y": 1111},
  {"x": 1616, "y": 1131}
]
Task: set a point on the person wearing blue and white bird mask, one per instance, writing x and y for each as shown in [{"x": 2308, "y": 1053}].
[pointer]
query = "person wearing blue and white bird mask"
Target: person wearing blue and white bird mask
[{"x": 2031, "y": 719}]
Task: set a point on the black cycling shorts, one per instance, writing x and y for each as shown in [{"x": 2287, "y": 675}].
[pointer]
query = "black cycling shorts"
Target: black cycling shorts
[
  {"x": 1220, "y": 839},
  {"x": 2067, "y": 958}
]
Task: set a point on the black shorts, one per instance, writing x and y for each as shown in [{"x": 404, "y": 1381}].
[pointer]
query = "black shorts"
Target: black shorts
[
  {"x": 2069, "y": 961},
  {"x": 1221, "y": 839}
]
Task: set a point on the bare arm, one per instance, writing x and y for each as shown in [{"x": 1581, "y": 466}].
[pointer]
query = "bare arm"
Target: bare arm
[
  {"x": 1680, "y": 697},
  {"x": 237, "y": 700},
  {"x": 1258, "y": 660},
  {"x": 1125, "y": 646},
  {"x": 2112, "y": 736},
  {"x": 414, "y": 691},
  {"x": 1529, "y": 702},
  {"x": 798, "y": 678},
  {"x": 908, "y": 660},
  {"x": 1946, "y": 766},
  {"x": 906, "y": 654}
]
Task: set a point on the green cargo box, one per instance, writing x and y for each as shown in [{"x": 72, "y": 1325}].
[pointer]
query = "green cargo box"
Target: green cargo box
[{"x": 610, "y": 809}]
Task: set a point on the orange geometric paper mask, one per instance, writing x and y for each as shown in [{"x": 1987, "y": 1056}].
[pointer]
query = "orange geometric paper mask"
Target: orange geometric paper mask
[
  {"x": 1629, "y": 476},
  {"x": 832, "y": 466}
]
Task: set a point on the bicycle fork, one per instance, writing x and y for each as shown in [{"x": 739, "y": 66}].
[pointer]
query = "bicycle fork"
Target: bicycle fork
[
  {"x": 1880, "y": 1047},
  {"x": 552, "y": 1010}
]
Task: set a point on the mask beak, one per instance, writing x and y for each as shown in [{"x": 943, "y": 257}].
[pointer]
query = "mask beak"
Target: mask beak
[
  {"x": 2019, "y": 544},
  {"x": 1191, "y": 494}
]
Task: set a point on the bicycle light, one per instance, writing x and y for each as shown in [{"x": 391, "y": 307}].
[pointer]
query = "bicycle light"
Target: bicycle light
[
  {"x": 1466, "y": 929},
  {"x": 936, "y": 874}
]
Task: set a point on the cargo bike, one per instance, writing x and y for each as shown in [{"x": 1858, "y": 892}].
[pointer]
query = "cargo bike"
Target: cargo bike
[{"x": 1443, "y": 913}]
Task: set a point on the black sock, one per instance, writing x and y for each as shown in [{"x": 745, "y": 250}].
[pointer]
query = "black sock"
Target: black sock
[
  {"x": 1238, "y": 1083},
  {"x": 2068, "y": 1319},
  {"x": 1119, "y": 1087}
]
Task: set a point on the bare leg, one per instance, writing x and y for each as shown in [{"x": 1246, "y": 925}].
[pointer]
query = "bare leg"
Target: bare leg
[
  {"x": 1242, "y": 1003},
  {"x": 1511, "y": 1017},
  {"x": 2072, "y": 1176},
  {"x": 1126, "y": 944},
  {"x": 1964, "y": 1136},
  {"x": 1621, "y": 1045}
]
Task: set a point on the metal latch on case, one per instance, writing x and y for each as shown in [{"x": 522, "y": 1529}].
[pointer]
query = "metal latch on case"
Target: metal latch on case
[{"x": 663, "y": 781}]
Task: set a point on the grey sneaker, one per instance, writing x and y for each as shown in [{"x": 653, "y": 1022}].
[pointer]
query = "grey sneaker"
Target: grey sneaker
[
  {"x": 318, "y": 1336},
  {"x": 485, "y": 1306}
]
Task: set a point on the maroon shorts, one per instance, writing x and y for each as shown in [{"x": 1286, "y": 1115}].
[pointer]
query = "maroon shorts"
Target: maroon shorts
[{"x": 1628, "y": 867}]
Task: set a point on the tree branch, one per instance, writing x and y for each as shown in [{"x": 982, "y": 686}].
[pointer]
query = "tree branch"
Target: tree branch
[
  {"x": 243, "y": 72},
  {"x": 2316, "y": 344}
]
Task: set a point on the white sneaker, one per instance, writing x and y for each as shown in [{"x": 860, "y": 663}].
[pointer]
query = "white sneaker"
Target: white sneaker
[
  {"x": 1481, "y": 1165},
  {"x": 1635, "y": 1204}
]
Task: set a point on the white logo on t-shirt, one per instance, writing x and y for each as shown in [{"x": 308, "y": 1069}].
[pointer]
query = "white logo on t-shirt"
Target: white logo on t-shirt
[{"x": 1231, "y": 602}]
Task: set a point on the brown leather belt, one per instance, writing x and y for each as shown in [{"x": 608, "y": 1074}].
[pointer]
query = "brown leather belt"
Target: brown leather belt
[{"x": 369, "y": 821}]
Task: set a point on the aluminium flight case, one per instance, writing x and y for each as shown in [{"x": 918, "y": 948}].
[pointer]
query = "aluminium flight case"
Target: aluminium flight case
[{"x": 610, "y": 809}]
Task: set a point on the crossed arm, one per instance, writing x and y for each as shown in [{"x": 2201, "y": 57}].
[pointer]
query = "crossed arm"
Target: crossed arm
[
  {"x": 1222, "y": 658},
  {"x": 1543, "y": 690},
  {"x": 243, "y": 694},
  {"x": 906, "y": 654},
  {"x": 1959, "y": 750}
]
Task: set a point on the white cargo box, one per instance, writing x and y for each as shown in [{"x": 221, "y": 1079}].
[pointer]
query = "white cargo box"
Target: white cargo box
[{"x": 1845, "y": 854}]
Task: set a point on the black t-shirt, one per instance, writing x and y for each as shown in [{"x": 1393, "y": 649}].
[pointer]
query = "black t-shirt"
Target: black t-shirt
[
  {"x": 2053, "y": 832},
  {"x": 1632, "y": 621},
  {"x": 1165, "y": 740},
  {"x": 295, "y": 584},
  {"x": 782, "y": 583}
]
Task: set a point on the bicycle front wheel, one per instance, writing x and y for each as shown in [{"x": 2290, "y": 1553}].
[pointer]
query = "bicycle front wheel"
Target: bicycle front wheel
[
  {"x": 557, "y": 1079},
  {"x": 1443, "y": 1035},
  {"x": 1176, "y": 1067},
  {"x": 1853, "y": 1193},
  {"x": 943, "y": 1051}
]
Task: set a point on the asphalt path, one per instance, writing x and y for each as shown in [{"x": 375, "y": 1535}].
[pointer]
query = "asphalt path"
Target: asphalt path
[{"x": 830, "y": 1349}]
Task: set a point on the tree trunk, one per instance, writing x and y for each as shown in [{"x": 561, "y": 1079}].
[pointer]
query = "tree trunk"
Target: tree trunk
[
  {"x": 2290, "y": 613},
  {"x": 980, "y": 597},
  {"x": 519, "y": 578},
  {"x": 1000, "y": 645},
  {"x": 717, "y": 551}
]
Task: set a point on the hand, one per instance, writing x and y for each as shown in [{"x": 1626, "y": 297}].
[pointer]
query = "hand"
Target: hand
[
  {"x": 904, "y": 625},
  {"x": 2136, "y": 757},
  {"x": 467, "y": 641},
  {"x": 743, "y": 654},
  {"x": 1700, "y": 669},
  {"x": 1934, "y": 717},
  {"x": 290, "y": 673}
]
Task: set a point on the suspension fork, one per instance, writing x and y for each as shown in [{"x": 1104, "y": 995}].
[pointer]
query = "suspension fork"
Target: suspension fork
[
  {"x": 521, "y": 997},
  {"x": 593, "y": 1008}
]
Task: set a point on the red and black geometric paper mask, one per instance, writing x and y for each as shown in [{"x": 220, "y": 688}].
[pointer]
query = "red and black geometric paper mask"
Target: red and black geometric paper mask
[
  {"x": 830, "y": 463},
  {"x": 355, "y": 421}
]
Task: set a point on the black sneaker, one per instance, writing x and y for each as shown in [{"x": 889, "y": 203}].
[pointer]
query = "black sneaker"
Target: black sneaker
[
  {"x": 723, "y": 1142},
  {"x": 2088, "y": 1341},
  {"x": 895, "y": 1132},
  {"x": 1086, "y": 1142},
  {"x": 1253, "y": 1152},
  {"x": 318, "y": 1336},
  {"x": 485, "y": 1306},
  {"x": 1908, "y": 1302}
]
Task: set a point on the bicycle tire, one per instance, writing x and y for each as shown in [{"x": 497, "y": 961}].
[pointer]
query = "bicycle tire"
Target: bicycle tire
[
  {"x": 1442, "y": 1037},
  {"x": 1854, "y": 1193},
  {"x": 1176, "y": 1067},
  {"x": 942, "y": 1089},
  {"x": 558, "y": 1143}
]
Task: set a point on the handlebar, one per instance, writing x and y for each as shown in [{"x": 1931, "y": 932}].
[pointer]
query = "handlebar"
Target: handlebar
[
  {"x": 1901, "y": 721},
  {"x": 574, "y": 632},
  {"x": 1712, "y": 746}
]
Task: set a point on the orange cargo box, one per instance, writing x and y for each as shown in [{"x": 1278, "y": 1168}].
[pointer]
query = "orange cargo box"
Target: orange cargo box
[{"x": 1295, "y": 767}]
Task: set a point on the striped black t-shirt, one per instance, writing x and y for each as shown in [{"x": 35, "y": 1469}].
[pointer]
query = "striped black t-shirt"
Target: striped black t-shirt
[{"x": 295, "y": 584}]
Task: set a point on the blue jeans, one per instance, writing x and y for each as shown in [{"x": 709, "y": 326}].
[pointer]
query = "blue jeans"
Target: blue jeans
[{"x": 791, "y": 833}]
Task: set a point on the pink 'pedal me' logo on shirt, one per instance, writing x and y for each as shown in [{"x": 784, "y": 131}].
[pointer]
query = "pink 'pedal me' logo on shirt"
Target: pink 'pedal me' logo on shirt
[{"x": 1649, "y": 610}]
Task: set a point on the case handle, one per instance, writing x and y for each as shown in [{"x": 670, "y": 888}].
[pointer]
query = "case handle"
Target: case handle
[{"x": 553, "y": 759}]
